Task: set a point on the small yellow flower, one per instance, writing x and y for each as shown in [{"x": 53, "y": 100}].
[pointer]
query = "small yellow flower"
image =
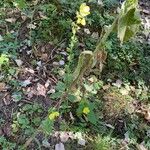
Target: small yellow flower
[
  {"x": 53, "y": 115},
  {"x": 86, "y": 110},
  {"x": 84, "y": 10},
  {"x": 78, "y": 20},
  {"x": 81, "y": 21}
]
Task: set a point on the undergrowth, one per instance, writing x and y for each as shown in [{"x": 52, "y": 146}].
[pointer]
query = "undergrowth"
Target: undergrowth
[{"x": 45, "y": 103}]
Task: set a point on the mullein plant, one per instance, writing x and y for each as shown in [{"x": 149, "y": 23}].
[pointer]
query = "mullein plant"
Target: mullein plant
[
  {"x": 125, "y": 25},
  {"x": 81, "y": 15}
]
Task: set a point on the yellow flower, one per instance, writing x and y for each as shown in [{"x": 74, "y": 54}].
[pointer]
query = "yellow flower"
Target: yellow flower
[
  {"x": 84, "y": 10},
  {"x": 53, "y": 115},
  {"x": 86, "y": 110},
  {"x": 81, "y": 21}
]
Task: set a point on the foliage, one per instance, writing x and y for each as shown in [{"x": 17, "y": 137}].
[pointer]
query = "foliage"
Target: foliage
[
  {"x": 71, "y": 62},
  {"x": 129, "y": 20},
  {"x": 102, "y": 143},
  {"x": 4, "y": 60}
]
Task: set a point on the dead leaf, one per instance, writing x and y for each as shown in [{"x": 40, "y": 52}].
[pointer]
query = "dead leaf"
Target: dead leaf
[
  {"x": 29, "y": 70},
  {"x": 87, "y": 31},
  {"x": 31, "y": 26},
  {"x": 64, "y": 136},
  {"x": 44, "y": 57},
  {"x": 42, "y": 15},
  {"x": 41, "y": 90},
  {"x": 47, "y": 83},
  {"x": 118, "y": 83},
  {"x": 26, "y": 83},
  {"x": 107, "y": 86},
  {"x": 19, "y": 62},
  {"x": 124, "y": 91},
  {"x": 2, "y": 86},
  {"x": 30, "y": 92},
  {"x": 51, "y": 91},
  {"x": 59, "y": 146},
  {"x": 81, "y": 142},
  {"x": 95, "y": 35},
  {"x": 147, "y": 115},
  {"x": 100, "y": 2},
  {"x": 55, "y": 64},
  {"x": 10, "y": 20},
  {"x": 141, "y": 147},
  {"x": 7, "y": 99}
]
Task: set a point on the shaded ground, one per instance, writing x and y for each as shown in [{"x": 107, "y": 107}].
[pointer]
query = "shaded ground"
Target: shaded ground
[{"x": 32, "y": 80}]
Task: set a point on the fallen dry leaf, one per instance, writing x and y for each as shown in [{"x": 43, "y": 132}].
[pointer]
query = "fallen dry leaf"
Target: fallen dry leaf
[
  {"x": 64, "y": 136},
  {"x": 7, "y": 99},
  {"x": 107, "y": 86},
  {"x": 47, "y": 83},
  {"x": 44, "y": 57},
  {"x": 29, "y": 70},
  {"x": 118, "y": 83},
  {"x": 31, "y": 26},
  {"x": 81, "y": 142},
  {"x": 19, "y": 62},
  {"x": 30, "y": 91},
  {"x": 147, "y": 115},
  {"x": 41, "y": 90},
  {"x": 141, "y": 147},
  {"x": 124, "y": 91},
  {"x": 2, "y": 86},
  {"x": 26, "y": 83},
  {"x": 59, "y": 146},
  {"x": 10, "y": 20}
]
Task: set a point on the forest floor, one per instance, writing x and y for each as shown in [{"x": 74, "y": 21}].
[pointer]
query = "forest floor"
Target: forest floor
[{"x": 33, "y": 43}]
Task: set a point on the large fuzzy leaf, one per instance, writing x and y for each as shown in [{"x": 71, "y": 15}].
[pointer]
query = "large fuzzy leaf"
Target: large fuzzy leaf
[
  {"x": 129, "y": 20},
  {"x": 85, "y": 62}
]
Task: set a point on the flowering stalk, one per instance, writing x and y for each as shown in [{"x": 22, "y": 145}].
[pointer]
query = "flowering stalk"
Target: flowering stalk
[{"x": 80, "y": 15}]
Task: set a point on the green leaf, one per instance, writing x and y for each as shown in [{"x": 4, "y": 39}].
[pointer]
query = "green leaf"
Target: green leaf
[
  {"x": 129, "y": 20},
  {"x": 80, "y": 108},
  {"x": 23, "y": 121},
  {"x": 92, "y": 117},
  {"x": 20, "y": 4},
  {"x": 68, "y": 79},
  {"x": 47, "y": 126},
  {"x": 17, "y": 96},
  {"x": 71, "y": 98},
  {"x": 4, "y": 59},
  {"x": 56, "y": 95},
  {"x": 60, "y": 86}
]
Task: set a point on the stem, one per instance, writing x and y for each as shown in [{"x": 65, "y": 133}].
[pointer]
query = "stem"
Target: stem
[{"x": 101, "y": 41}]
